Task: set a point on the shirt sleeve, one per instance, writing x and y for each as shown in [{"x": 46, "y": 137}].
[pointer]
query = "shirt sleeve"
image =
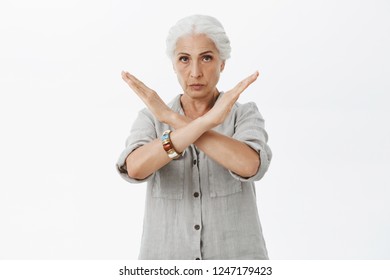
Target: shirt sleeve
[
  {"x": 249, "y": 128},
  {"x": 142, "y": 132}
]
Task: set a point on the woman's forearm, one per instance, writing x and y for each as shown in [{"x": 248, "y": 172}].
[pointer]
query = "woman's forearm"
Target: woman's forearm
[
  {"x": 228, "y": 152},
  {"x": 150, "y": 157}
]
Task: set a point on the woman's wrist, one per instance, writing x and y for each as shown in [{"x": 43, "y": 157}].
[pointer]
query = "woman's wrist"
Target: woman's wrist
[
  {"x": 166, "y": 116},
  {"x": 186, "y": 135},
  {"x": 204, "y": 124},
  {"x": 175, "y": 120}
]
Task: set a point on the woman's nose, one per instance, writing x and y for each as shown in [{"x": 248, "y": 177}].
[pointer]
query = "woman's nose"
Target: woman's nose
[{"x": 196, "y": 71}]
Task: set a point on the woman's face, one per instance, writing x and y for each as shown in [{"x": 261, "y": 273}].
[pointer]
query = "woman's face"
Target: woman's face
[{"x": 197, "y": 65}]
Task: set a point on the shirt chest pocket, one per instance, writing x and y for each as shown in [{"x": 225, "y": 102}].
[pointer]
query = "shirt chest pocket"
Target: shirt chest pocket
[
  {"x": 169, "y": 181},
  {"x": 221, "y": 181}
]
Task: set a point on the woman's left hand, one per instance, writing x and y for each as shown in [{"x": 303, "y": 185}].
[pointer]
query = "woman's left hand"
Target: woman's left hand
[
  {"x": 224, "y": 105},
  {"x": 151, "y": 99}
]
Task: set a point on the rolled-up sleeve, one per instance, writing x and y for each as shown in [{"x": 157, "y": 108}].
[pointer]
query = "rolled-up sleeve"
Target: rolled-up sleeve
[
  {"x": 142, "y": 132},
  {"x": 249, "y": 128}
]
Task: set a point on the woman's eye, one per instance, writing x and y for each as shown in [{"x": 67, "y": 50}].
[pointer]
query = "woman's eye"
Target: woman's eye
[
  {"x": 207, "y": 58},
  {"x": 183, "y": 59}
]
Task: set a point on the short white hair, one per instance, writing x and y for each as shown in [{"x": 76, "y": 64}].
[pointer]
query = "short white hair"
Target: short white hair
[{"x": 199, "y": 24}]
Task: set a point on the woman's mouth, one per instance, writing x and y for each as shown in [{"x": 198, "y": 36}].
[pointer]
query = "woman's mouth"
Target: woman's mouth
[{"x": 196, "y": 86}]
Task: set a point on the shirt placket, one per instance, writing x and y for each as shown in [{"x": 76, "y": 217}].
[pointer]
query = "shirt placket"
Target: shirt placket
[{"x": 197, "y": 207}]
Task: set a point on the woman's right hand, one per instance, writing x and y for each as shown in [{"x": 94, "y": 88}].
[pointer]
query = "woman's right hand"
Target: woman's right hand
[{"x": 151, "y": 99}]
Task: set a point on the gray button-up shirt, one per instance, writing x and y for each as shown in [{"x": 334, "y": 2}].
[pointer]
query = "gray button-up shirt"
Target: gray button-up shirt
[{"x": 195, "y": 208}]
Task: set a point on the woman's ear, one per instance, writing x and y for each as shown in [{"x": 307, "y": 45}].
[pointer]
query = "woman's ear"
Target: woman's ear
[{"x": 222, "y": 66}]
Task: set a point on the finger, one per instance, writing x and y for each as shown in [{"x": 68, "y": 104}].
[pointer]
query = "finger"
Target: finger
[
  {"x": 134, "y": 83},
  {"x": 241, "y": 86},
  {"x": 126, "y": 75},
  {"x": 128, "y": 78}
]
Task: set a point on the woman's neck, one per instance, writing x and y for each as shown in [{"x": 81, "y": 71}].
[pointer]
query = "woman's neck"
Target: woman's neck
[{"x": 196, "y": 107}]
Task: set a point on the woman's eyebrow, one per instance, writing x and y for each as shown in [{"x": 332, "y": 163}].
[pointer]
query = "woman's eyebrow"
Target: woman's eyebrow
[
  {"x": 202, "y": 53},
  {"x": 182, "y": 53}
]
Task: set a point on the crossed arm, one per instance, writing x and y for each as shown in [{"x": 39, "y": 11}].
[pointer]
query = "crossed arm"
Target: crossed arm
[{"x": 228, "y": 152}]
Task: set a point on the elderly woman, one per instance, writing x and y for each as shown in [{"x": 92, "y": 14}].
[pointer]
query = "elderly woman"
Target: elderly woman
[{"x": 199, "y": 155}]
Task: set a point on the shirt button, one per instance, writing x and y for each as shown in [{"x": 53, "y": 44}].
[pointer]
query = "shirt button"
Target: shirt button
[
  {"x": 196, "y": 194},
  {"x": 194, "y": 161},
  {"x": 197, "y": 259},
  {"x": 197, "y": 227}
]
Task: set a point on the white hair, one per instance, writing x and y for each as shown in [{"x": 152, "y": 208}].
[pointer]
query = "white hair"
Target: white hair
[{"x": 199, "y": 24}]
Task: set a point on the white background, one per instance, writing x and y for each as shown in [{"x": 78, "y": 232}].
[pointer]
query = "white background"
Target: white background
[{"x": 65, "y": 114}]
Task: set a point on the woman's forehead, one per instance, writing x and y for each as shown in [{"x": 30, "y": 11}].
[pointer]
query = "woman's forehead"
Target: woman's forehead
[{"x": 195, "y": 44}]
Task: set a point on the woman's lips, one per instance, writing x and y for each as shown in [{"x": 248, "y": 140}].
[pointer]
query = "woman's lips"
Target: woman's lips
[{"x": 196, "y": 86}]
